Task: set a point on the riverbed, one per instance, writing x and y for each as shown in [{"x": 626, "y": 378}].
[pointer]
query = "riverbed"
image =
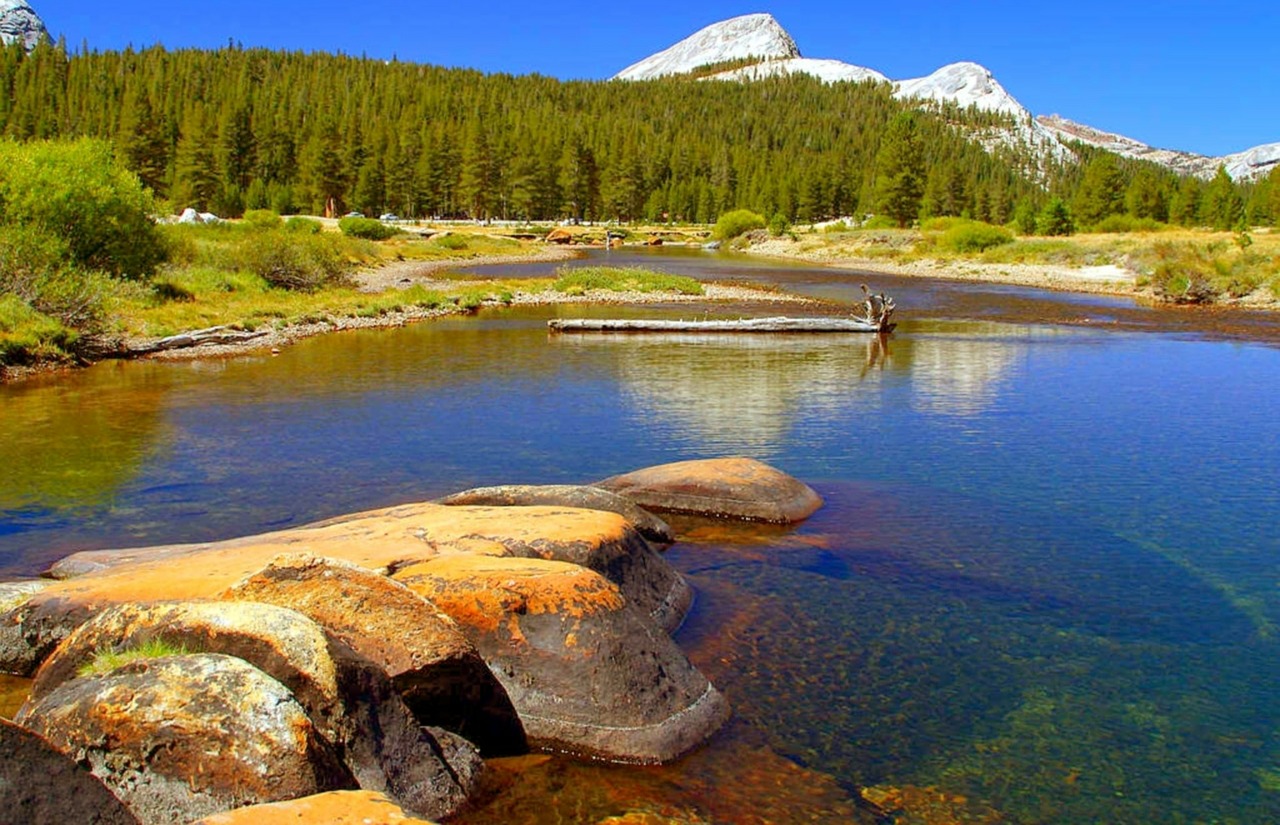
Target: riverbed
[{"x": 1044, "y": 582}]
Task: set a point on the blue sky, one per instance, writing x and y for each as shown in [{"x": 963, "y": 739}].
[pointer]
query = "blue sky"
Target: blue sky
[{"x": 1197, "y": 76}]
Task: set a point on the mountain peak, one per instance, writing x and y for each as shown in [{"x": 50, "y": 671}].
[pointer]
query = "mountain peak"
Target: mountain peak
[
  {"x": 19, "y": 22},
  {"x": 966, "y": 83},
  {"x": 751, "y": 35}
]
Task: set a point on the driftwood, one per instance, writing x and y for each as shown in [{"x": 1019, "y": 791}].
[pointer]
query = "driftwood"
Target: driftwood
[
  {"x": 212, "y": 335},
  {"x": 779, "y": 324}
]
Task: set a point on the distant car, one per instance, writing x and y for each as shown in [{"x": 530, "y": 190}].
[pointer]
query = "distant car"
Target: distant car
[
  {"x": 354, "y": 215},
  {"x": 388, "y": 216}
]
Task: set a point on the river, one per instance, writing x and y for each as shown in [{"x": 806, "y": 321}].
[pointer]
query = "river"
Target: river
[{"x": 1044, "y": 583}]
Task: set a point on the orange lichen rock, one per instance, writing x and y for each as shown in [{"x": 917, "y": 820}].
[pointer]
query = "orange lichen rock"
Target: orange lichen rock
[
  {"x": 179, "y": 737},
  {"x": 333, "y": 808},
  {"x": 434, "y": 667},
  {"x": 723, "y": 487},
  {"x": 587, "y": 672}
]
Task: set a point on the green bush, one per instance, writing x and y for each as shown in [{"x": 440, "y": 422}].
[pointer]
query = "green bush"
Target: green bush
[
  {"x": 305, "y": 226},
  {"x": 367, "y": 228},
  {"x": 80, "y": 194},
  {"x": 455, "y": 243},
  {"x": 27, "y": 335},
  {"x": 34, "y": 270},
  {"x": 880, "y": 222},
  {"x": 1055, "y": 219},
  {"x": 778, "y": 225},
  {"x": 732, "y": 224},
  {"x": 262, "y": 219},
  {"x": 1128, "y": 223},
  {"x": 295, "y": 261},
  {"x": 974, "y": 236},
  {"x": 942, "y": 224}
]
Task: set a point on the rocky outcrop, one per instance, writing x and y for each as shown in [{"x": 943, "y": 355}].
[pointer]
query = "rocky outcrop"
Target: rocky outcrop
[
  {"x": 180, "y": 737},
  {"x": 433, "y": 666},
  {"x": 566, "y": 495},
  {"x": 723, "y": 487},
  {"x": 20, "y": 23},
  {"x": 350, "y": 701},
  {"x": 17, "y": 653},
  {"x": 588, "y": 673},
  {"x": 332, "y": 808},
  {"x": 38, "y": 783}
]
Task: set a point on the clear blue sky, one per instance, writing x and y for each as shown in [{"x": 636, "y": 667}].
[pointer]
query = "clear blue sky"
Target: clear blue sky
[{"x": 1198, "y": 76}]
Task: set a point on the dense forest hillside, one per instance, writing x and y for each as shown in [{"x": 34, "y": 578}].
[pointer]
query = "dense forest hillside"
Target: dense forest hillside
[{"x": 234, "y": 128}]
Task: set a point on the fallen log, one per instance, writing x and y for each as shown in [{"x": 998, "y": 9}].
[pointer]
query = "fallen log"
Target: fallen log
[
  {"x": 777, "y": 324},
  {"x": 212, "y": 335}
]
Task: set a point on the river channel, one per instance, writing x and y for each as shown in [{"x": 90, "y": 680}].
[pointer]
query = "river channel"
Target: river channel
[{"x": 1045, "y": 585}]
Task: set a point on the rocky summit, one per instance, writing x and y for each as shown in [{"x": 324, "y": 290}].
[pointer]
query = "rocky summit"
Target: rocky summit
[{"x": 19, "y": 22}]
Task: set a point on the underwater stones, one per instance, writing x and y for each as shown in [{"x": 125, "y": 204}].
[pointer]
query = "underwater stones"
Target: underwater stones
[
  {"x": 588, "y": 672},
  {"x": 38, "y": 783},
  {"x": 179, "y": 737},
  {"x": 566, "y": 495},
  {"x": 332, "y": 808},
  {"x": 735, "y": 487},
  {"x": 349, "y": 700},
  {"x": 435, "y": 668}
]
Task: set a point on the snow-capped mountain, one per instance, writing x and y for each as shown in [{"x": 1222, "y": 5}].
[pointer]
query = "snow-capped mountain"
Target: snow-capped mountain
[
  {"x": 760, "y": 36},
  {"x": 19, "y": 22},
  {"x": 752, "y": 35}
]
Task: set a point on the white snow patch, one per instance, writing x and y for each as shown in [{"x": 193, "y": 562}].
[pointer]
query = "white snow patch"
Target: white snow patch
[{"x": 752, "y": 35}]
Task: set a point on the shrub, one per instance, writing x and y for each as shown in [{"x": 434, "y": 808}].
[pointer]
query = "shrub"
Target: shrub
[
  {"x": 304, "y": 226},
  {"x": 1128, "y": 223},
  {"x": 732, "y": 224},
  {"x": 27, "y": 335},
  {"x": 262, "y": 219},
  {"x": 455, "y": 243},
  {"x": 80, "y": 194},
  {"x": 778, "y": 225},
  {"x": 33, "y": 269},
  {"x": 295, "y": 261},
  {"x": 1055, "y": 219},
  {"x": 367, "y": 228},
  {"x": 974, "y": 236},
  {"x": 942, "y": 224},
  {"x": 880, "y": 222}
]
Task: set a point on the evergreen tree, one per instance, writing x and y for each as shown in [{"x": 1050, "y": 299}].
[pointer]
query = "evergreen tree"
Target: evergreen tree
[
  {"x": 142, "y": 141},
  {"x": 1145, "y": 197},
  {"x": 1222, "y": 206},
  {"x": 1055, "y": 219},
  {"x": 1184, "y": 206},
  {"x": 1101, "y": 193},
  {"x": 196, "y": 182},
  {"x": 899, "y": 171}
]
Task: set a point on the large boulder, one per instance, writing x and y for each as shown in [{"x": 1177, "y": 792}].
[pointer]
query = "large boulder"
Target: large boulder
[
  {"x": 332, "y": 808},
  {"x": 179, "y": 737},
  {"x": 350, "y": 700},
  {"x": 588, "y": 672},
  {"x": 736, "y": 487},
  {"x": 566, "y": 495},
  {"x": 435, "y": 668},
  {"x": 380, "y": 540},
  {"x": 18, "y": 654},
  {"x": 40, "y": 784}
]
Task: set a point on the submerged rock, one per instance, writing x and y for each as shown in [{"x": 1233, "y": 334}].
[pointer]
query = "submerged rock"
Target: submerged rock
[
  {"x": 435, "y": 668},
  {"x": 567, "y": 495},
  {"x": 588, "y": 673},
  {"x": 39, "y": 783},
  {"x": 332, "y": 808},
  {"x": 349, "y": 700},
  {"x": 180, "y": 737},
  {"x": 724, "y": 487}
]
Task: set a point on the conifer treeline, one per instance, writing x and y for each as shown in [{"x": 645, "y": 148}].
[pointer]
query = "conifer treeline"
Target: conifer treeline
[{"x": 230, "y": 129}]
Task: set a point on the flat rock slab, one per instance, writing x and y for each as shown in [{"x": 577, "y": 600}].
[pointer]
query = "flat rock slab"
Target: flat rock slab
[
  {"x": 434, "y": 667},
  {"x": 380, "y": 540},
  {"x": 40, "y": 784},
  {"x": 332, "y": 808},
  {"x": 588, "y": 672},
  {"x": 566, "y": 495},
  {"x": 179, "y": 737},
  {"x": 741, "y": 488}
]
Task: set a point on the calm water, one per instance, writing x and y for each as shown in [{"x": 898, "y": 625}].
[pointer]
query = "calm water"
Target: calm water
[{"x": 1045, "y": 579}]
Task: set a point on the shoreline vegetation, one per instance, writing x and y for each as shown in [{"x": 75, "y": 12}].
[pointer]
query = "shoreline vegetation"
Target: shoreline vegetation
[{"x": 419, "y": 273}]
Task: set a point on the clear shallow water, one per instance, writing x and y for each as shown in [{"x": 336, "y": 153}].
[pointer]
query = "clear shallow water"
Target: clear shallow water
[{"x": 1045, "y": 578}]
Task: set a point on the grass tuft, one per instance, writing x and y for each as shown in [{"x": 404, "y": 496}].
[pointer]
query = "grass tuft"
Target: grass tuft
[{"x": 106, "y": 659}]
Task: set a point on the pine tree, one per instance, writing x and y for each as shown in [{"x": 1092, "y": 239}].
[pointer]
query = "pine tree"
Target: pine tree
[
  {"x": 1145, "y": 197},
  {"x": 899, "y": 171},
  {"x": 196, "y": 182},
  {"x": 1101, "y": 192},
  {"x": 143, "y": 145},
  {"x": 1222, "y": 206},
  {"x": 1055, "y": 219},
  {"x": 1184, "y": 206}
]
